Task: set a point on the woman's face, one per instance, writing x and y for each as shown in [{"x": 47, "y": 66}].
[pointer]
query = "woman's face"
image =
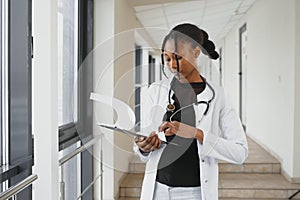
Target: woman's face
[{"x": 187, "y": 57}]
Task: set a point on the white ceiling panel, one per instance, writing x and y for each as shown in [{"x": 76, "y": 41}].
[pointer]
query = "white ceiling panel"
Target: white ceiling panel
[
  {"x": 146, "y": 8},
  {"x": 217, "y": 17},
  {"x": 235, "y": 17},
  {"x": 222, "y": 8},
  {"x": 213, "y": 3},
  {"x": 155, "y": 23},
  {"x": 248, "y": 3},
  {"x": 183, "y": 16},
  {"x": 150, "y": 14},
  {"x": 242, "y": 10},
  {"x": 186, "y": 7}
]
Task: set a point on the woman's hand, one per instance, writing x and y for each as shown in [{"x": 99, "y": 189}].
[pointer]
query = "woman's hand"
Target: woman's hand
[
  {"x": 182, "y": 130},
  {"x": 150, "y": 143}
]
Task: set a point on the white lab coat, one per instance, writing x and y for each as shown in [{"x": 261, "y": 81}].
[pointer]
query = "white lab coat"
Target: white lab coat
[{"x": 224, "y": 138}]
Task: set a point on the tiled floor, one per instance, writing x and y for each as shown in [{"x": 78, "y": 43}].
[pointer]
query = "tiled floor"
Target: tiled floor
[{"x": 258, "y": 178}]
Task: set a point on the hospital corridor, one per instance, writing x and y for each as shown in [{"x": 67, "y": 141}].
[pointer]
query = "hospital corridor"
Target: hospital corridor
[{"x": 149, "y": 99}]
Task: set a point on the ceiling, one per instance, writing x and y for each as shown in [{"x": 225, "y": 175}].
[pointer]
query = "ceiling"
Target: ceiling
[{"x": 217, "y": 17}]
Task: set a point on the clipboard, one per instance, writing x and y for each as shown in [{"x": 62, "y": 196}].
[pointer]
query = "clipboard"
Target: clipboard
[{"x": 115, "y": 128}]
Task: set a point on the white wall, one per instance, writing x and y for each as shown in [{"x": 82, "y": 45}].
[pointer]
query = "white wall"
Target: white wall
[
  {"x": 114, "y": 62},
  {"x": 115, "y": 25},
  {"x": 270, "y": 76},
  {"x": 230, "y": 69},
  {"x": 44, "y": 100},
  {"x": 125, "y": 23},
  {"x": 297, "y": 96}
]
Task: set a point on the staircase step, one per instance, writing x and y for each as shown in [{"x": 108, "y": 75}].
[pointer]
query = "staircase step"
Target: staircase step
[
  {"x": 250, "y": 168},
  {"x": 258, "y": 161},
  {"x": 251, "y": 199},
  {"x": 131, "y": 186},
  {"x": 258, "y": 178},
  {"x": 227, "y": 168},
  {"x": 273, "y": 186},
  {"x": 251, "y": 186}
]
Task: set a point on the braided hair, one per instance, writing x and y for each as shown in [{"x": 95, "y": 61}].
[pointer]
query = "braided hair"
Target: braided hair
[{"x": 193, "y": 34}]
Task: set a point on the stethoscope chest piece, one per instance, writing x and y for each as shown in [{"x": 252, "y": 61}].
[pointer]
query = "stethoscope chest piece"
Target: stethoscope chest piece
[{"x": 170, "y": 107}]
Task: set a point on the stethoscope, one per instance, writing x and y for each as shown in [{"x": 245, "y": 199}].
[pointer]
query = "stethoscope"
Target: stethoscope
[{"x": 171, "y": 107}]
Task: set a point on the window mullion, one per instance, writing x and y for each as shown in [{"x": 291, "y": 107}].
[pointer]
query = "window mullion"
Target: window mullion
[
  {"x": 4, "y": 89},
  {"x": 5, "y": 111}
]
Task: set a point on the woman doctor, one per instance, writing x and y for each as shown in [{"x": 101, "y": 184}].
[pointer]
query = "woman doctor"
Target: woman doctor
[{"x": 198, "y": 125}]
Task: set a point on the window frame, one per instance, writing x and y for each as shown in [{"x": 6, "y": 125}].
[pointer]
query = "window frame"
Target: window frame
[
  {"x": 1, "y": 88},
  {"x": 137, "y": 86},
  {"x": 69, "y": 133},
  {"x": 17, "y": 156},
  {"x": 82, "y": 129},
  {"x": 151, "y": 69}
]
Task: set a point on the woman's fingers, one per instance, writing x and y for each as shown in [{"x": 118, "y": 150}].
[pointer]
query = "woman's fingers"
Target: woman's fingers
[
  {"x": 158, "y": 143},
  {"x": 148, "y": 144},
  {"x": 168, "y": 128},
  {"x": 139, "y": 139},
  {"x": 164, "y": 126}
]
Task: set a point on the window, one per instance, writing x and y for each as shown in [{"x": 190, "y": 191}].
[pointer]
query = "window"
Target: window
[
  {"x": 1, "y": 88},
  {"x": 67, "y": 56},
  {"x": 67, "y": 71},
  {"x": 75, "y": 42},
  {"x": 16, "y": 133},
  {"x": 151, "y": 73},
  {"x": 137, "y": 93}
]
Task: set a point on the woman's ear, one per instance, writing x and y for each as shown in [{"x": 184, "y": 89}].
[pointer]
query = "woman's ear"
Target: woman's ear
[{"x": 197, "y": 51}]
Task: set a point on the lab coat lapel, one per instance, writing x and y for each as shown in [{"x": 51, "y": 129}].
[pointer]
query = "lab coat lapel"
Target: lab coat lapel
[{"x": 200, "y": 109}]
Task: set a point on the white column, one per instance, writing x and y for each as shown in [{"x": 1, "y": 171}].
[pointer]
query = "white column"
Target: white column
[
  {"x": 103, "y": 75},
  {"x": 44, "y": 97}
]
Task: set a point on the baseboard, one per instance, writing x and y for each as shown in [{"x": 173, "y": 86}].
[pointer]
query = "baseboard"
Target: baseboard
[
  {"x": 275, "y": 155},
  {"x": 117, "y": 197},
  {"x": 290, "y": 179},
  {"x": 283, "y": 172},
  {"x": 295, "y": 180}
]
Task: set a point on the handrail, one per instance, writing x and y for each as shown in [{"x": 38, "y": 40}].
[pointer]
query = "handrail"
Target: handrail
[
  {"x": 69, "y": 156},
  {"x": 88, "y": 187},
  {"x": 294, "y": 194},
  {"x": 80, "y": 149},
  {"x": 13, "y": 190}
]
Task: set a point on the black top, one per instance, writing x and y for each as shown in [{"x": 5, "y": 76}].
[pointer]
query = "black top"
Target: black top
[{"x": 179, "y": 165}]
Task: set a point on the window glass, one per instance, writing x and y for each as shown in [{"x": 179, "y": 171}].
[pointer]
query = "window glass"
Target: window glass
[
  {"x": 137, "y": 93},
  {"x": 151, "y": 68},
  {"x": 67, "y": 60},
  {"x": 16, "y": 82},
  {"x": 67, "y": 88},
  {"x": 1, "y": 84},
  {"x": 72, "y": 177}
]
